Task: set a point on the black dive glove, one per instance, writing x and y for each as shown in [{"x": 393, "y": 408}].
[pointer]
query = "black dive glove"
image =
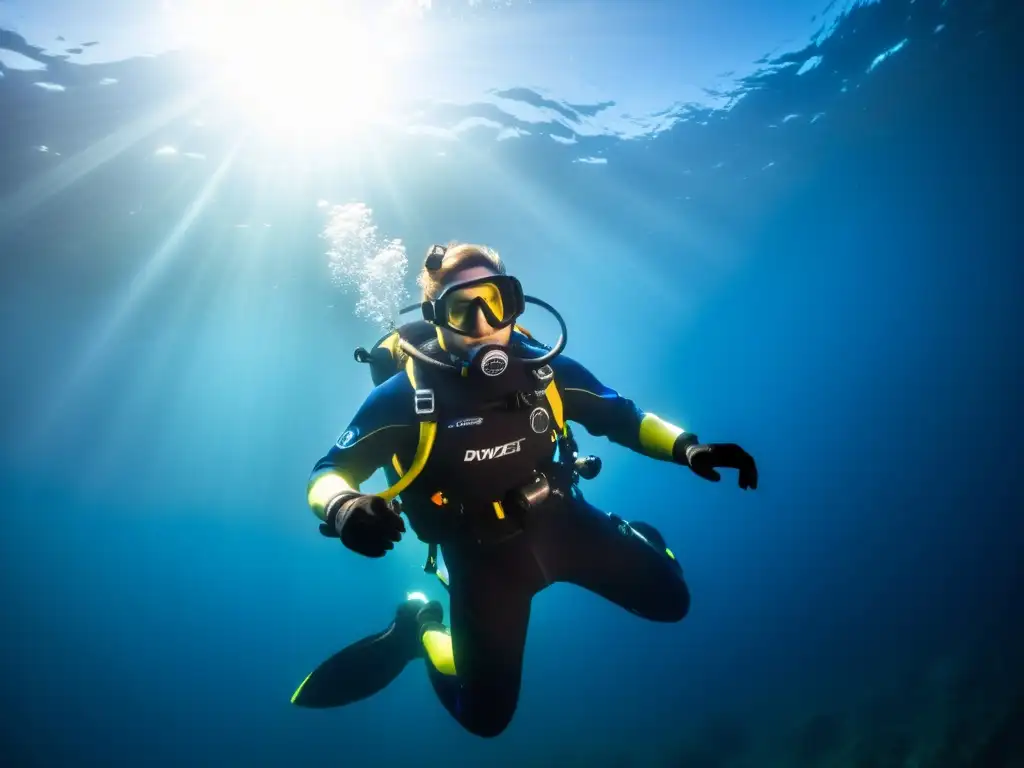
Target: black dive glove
[
  {"x": 704, "y": 458},
  {"x": 366, "y": 524}
]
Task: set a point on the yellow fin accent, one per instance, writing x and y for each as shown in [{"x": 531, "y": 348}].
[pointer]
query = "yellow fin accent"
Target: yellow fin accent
[
  {"x": 301, "y": 686},
  {"x": 499, "y": 510},
  {"x": 438, "y": 645}
]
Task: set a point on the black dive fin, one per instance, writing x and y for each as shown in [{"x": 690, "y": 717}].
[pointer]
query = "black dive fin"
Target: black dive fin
[{"x": 354, "y": 673}]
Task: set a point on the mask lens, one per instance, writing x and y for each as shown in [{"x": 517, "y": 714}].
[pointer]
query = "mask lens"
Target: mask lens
[{"x": 462, "y": 305}]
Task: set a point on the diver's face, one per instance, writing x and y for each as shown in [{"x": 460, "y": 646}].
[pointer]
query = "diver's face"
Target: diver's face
[{"x": 482, "y": 332}]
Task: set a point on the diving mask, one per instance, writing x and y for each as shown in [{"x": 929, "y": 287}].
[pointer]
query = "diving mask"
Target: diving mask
[
  {"x": 501, "y": 300},
  {"x": 499, "y": 297}
]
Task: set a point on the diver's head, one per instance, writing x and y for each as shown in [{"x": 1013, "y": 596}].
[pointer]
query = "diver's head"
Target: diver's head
[
  {"x": 473, "y": 302},
  {"x": 474, "y": 305}
]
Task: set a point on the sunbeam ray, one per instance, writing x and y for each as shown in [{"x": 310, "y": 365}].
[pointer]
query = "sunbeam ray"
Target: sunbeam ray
[
  {"x": 141, "y": 285},
  {"x": 17, "y": 205}
]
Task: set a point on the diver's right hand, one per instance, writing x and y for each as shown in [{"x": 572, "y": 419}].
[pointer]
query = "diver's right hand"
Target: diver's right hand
[{"x": 367, "y": 524}]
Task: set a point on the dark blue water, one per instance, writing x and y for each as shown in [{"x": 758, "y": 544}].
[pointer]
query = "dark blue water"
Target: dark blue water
[{"x": 840, "y": 295}]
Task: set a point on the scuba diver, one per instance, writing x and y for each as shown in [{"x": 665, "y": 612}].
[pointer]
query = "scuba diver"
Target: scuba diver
[{"x": 469, "y": 420}]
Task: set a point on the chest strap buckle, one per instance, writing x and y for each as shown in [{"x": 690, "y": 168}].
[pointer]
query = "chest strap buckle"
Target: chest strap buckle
[{"x": 424, "y": 401}]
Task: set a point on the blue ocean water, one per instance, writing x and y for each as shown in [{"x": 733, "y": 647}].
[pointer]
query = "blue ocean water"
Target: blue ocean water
[{"x": 790, "y": 227}]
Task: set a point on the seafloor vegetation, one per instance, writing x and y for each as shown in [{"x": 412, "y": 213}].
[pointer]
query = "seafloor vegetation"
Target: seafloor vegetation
[
  {"x": 949, "y": 713},
  {"x": 945, "y": 715}
]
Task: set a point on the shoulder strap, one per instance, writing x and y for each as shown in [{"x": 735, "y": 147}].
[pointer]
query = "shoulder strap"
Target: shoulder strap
[
  {"x": 555, "y": 401},
  {"x": 424, "y": 404}
]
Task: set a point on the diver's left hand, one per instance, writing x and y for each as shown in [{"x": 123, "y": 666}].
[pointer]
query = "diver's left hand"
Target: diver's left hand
[{"x": 703, "y": 459}]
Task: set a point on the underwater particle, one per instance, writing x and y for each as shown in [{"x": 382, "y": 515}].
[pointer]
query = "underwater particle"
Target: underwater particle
[
  {"x": 886, "y": 54},
  {"x": 807, "y": 66},
  {"x": 52, "y": 87},
  {"x": 510, "y": 133},
  {"x": 592, "y": 160},
  {"x": 108, "y": 81},
  {"x": 166, "y": 151}
]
